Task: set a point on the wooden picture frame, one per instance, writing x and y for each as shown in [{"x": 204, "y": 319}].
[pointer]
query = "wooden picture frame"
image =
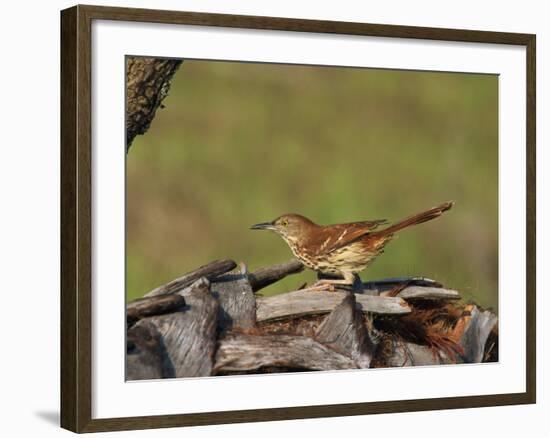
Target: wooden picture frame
[{"x": 76, "y": 217}]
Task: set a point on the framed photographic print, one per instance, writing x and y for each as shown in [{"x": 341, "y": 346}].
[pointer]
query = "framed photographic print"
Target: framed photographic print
[{"x": 269, "y": 218}]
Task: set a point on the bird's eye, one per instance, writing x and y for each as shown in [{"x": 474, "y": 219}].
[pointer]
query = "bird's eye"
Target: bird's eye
[{"x": 284, "y": 223}]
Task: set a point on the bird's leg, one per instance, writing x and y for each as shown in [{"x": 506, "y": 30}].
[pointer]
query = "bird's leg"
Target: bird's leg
[
  {"x": 330, "y": 283},
  {"x": 320, "y": 286}
]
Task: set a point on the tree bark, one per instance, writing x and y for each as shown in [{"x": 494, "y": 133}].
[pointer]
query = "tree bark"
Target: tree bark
[{"x": 147, "y": 83}]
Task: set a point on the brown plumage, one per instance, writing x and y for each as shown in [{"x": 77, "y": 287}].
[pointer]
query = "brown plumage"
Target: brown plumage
[{"x": 341, "y": 249}]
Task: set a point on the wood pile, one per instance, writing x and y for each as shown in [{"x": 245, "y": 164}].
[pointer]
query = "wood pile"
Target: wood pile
[{"x": 212, "y": 322}]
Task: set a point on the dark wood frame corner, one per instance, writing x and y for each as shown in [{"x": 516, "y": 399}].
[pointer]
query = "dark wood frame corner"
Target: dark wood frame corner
[{"x": 76, "y": 172}]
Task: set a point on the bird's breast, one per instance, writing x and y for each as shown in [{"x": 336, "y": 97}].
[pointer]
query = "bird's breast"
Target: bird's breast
[{"x": 301, "y": 253}]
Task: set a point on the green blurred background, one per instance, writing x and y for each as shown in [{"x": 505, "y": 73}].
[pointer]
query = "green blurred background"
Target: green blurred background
[{"x": 242, "y": 143}]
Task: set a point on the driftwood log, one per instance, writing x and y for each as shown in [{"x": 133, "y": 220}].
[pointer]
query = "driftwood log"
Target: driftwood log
[
  {"x": 187, "y": 335},
  {"x": 304, "y": 302},
  {"x": 245, "y": 353},
  {"x": 345, "y": 331},
  {"x": 211, "y": 322},
  {"x": 144, "y": 352},
  {"x": 236, "y": 299}
]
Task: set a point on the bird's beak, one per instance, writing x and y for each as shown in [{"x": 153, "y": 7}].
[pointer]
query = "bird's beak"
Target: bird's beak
[{"x": 264, "y": 226}]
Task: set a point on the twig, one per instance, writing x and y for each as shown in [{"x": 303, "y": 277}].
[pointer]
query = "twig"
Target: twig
[
  {"x": 270, "y": 274},
  {"x": 210, "y": 271}
]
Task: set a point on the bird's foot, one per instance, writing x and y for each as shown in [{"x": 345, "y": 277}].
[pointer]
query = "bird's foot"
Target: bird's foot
[
  {"x": 327, "y": 285},
  {"x": 321, "y": 286}
]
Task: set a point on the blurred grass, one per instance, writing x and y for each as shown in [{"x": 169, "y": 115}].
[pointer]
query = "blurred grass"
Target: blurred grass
[{"x": 243, "y": 143}]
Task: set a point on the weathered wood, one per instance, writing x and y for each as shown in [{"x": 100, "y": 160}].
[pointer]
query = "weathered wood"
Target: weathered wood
[
  {"x": 406, "y": 354},
  {"x": 270, "y": 274},
  {"x": 344, "y": 331},
  {"x": 189, "y": 335},
  {"x": 144, "y": 352},
  {"x": 246, "y": 353},
  {"x": 303, "y": 326},
  {"x": 305, "y": 302},
  {"x": 390, "y": 282},
  {"x": 156, "y": 305},
  {"x": 296, "y": 333},
  {"x": 377, "y": 287},
  {"x": 491, "y": 346},
  {"x": 237, "y": 303},
  {"x": 428, "y": 293},
  {"x": 209, "y": 271},
  {"x": 147, "y": 84},
  {"x": 477, "y": 330}
]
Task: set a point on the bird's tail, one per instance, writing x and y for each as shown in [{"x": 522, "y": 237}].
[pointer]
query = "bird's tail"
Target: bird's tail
[{"x": 415, "y": 219}]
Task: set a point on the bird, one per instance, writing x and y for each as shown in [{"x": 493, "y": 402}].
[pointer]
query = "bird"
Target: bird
[{"x": 341, "y": 250}]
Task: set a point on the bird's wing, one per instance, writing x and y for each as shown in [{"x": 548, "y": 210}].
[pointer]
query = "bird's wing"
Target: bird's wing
[{"x": 336, "y": 236}]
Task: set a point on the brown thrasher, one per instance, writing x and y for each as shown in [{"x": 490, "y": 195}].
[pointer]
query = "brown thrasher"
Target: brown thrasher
[{"x": 341, "y": 249}]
